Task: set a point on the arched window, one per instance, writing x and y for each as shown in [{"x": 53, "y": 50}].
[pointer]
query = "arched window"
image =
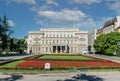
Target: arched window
[{"x": 82, "y": 39}]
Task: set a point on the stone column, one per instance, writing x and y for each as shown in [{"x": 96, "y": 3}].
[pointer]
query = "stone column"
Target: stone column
[
  {"x": 60, "y": 49},
  {"x": 66, "y": 48},
  {"x": 56, "y": 49},
  {"x": 51, "y": 49}
]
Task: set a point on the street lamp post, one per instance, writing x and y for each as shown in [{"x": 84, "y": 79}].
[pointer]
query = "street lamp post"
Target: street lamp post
[
  {"x": 0, "y": 47},
  {"x": 50, "y": 48}
]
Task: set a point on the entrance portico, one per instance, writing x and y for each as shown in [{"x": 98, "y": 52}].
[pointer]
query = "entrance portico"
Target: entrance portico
[{"x": 60, "y": 49}]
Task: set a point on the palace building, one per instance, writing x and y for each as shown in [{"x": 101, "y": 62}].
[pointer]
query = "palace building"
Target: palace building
[{"x": 57, "y": 40}]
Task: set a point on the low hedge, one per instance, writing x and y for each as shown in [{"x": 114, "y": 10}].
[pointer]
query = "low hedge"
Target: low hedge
[{"x": 59, "y": 68}]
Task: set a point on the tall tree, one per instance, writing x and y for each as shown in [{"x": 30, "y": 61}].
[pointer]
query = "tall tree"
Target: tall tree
[
  {"x": 99, "y": 43},
  {"x": 5, "y": 33},
  {"x": 107, "y": 43}
]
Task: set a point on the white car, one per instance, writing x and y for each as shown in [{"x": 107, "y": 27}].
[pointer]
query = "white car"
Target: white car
[{"x": 84, "y": 52}]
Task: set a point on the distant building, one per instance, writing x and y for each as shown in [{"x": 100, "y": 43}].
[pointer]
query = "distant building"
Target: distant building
[
  {"x": 110, "y": 26},
  {"x": 91, "y": 37},
  {"x": 57, "y": 40}
]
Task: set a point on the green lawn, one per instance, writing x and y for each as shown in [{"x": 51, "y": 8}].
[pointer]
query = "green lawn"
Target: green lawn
[
  {"x": 65, "y": 57},
  {"x": 12, "y": 64}
]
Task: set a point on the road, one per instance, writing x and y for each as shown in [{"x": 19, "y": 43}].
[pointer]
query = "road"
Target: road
[{"x": 72, "y": 76}]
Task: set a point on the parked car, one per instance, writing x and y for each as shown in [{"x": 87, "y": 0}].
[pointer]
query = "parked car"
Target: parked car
[{"x": 84, "y": 52}]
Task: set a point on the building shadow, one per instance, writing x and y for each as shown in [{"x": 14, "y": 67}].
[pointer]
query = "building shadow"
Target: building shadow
[
  {"x": 84, "y": 77},
  {"x": 13, "y": 77}
]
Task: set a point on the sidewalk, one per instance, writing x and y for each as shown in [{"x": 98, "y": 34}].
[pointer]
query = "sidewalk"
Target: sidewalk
[
  {"x": 111, "y": 58},
  {"x": 9, "y": 58}
]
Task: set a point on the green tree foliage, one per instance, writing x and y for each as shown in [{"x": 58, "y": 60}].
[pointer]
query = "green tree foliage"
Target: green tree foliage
[
  {"x": 8, "y": 43},
  {"x": 5, "y": 33},
  {"x": 18, "y": 44},
  {"x": 107, "y": 43}
]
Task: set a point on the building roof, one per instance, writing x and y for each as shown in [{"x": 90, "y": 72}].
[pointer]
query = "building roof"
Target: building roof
[{"x": 110, "y": 22}]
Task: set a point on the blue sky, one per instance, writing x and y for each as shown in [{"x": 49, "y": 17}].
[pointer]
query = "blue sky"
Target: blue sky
[{"x": 29, "y": 15}]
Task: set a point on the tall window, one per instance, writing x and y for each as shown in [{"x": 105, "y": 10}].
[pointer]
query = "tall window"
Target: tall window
[
  {"x": 43, "y": 49},
  {"x": 71, "y": 49},
  {"x": 46, "y": 49},
  {"x": 64, "y": 35},
  {"x": 53, "y": 41},
  {"x": 46, "y": 41},
  {"x": 75, "y": 49},
  {"x": 71, "y": 35},
  {"x": 57, "y": 41},
  {"x": 50, "y": 35},
  {"x": 68, "y": 41},
  {"x": 42, "y": 41},
  {"x": 68, "y": 35},
  {"x": 57, "y": 35},
  {"x": 61, "y": 35}
]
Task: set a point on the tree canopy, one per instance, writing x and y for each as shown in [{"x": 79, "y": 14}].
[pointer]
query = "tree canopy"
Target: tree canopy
[
  {"x": 107, "y": 43},
  {"x": 7, "y": 42}
]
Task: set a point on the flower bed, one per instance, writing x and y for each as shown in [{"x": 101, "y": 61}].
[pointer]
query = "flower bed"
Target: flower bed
[
  {"x": 66, "y": 63},
  {"x": 37, "y": 63}
]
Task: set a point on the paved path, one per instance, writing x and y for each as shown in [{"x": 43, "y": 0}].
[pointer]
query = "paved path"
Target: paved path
[
  {"x": 73, "y": 76},
  {"x": 3, "y": 59},
  {"x": 112, "y": 58}
]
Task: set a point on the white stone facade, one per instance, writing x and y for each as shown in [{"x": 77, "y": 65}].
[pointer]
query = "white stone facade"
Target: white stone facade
[{"x": 57, "y": 40}]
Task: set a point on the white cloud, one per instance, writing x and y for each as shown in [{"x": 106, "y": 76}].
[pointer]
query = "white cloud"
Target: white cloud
[
  {"x": 64, "y": 15},
  {"x": 52, "y": 2},
  {"x": 39, "y": 8},
  {"x": 90, "y": 24},
  {"x": 66, "y": 18},
  {"x": 46, "y": 6},
  {"x": 11, "y": 23},
  {"x": 114, "y": 5},
  {"x": 86, "y": 1},
  {"x": 22, "y": 1},
  {"x": 87, "y": 24}
]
